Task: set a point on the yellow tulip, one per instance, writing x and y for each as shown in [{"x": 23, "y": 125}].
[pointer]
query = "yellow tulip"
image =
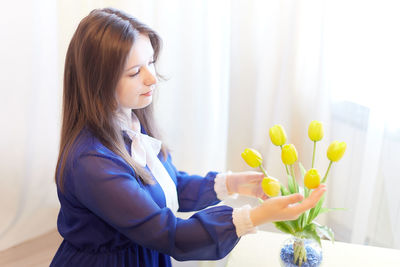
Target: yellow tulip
[
  {"x": 336, "y": 150},
  {"x": 289, "y": 154},
  {"x": 315, "y": 131},
  {"x": 312, "y": 179},
  {"x": 271, "y": 186},
  {"x": 277, "y": 135},
  {"x": 252, "y": 157}
]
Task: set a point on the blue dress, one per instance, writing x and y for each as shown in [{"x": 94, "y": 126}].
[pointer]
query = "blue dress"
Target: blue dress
[{"x": 110, "y": 218}]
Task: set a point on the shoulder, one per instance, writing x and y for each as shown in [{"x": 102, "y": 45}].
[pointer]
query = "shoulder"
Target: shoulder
[
  {"x": 89, "y": 163},
  {"x": 87, "y": 147}
]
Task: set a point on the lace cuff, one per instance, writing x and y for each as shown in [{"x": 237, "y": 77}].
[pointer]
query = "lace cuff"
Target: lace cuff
[
  {"x": 220, "y": 186},
  {"x": 242, "y": 221}
]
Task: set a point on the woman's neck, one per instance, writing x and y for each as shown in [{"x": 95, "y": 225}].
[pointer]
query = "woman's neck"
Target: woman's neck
[{"x": 128, "y": 119}]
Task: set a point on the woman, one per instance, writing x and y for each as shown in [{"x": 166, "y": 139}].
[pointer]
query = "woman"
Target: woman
[{"x": 116, "y": 183}]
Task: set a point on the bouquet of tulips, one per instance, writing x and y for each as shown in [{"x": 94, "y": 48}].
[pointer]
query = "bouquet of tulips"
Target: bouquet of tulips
[{"x": 304, "y": 227}]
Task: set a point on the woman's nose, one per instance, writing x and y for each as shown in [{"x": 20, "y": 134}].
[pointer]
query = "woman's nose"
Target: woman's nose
[{"x": 150, "y": 77}]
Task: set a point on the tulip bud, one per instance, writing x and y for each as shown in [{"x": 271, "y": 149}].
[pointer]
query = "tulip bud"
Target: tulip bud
[
  {"x": 336, "y": 150},
  {"x": 271, "y": 186},
  {"x": 289, "y": 154},
  {"x": 277, "y": 135},
  {"x": 315, "y": 131},
  {"x": 312, "y": 179},
  {"x": 252, "y": 157}
]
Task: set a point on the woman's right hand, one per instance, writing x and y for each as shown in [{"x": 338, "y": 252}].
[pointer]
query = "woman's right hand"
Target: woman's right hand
[{"x": 285, "y": 207}]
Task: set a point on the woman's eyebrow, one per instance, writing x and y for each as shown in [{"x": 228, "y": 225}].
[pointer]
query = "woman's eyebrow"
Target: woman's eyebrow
[
  {"x": 150, "y": 58},
  {"x": 132, "y": 67}
]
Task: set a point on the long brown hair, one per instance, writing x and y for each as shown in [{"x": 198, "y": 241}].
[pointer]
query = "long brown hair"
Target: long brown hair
[{"x": 94, "y": 63}]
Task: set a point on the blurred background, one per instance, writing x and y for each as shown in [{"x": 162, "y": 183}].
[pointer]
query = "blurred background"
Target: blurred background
[{"x": 234, "y": 69}]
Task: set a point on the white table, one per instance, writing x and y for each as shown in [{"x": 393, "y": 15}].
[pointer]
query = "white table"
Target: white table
[{"x": 262, "y": 249}]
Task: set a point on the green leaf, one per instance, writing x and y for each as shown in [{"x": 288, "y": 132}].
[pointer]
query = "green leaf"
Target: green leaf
[
  {"x": 284, "y": 227},
  {"x": 291, "y": 184},
  {"x": 319, "y": 206},
  {"x": 302, "y": 170},
  {"x": 316, "y": 210},
  {"x": 323, "y": 210},
  {"x": 304, "y": 219},
  {"x": 311, "y": 232},
  {"x": 306, "y": 216},
  {"x": 298, "y": 224},
  {"x": 325, "y": 231},
  {"x": 284, "y": 191},
  {"x": 297, "y": 186},
  {"x": 310, "y": 215},
  {"x": 306, "y": 192},
  {"x": 295, "y": 225},
  {"x": 301, "y": 221}
]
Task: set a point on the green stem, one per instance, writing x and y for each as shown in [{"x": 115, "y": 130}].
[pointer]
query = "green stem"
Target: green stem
[
  {"x": 264, "y": 171},
  {"x": 287, "y": 170},
  {"x": 294, "y": 178},
  {"x": 327, "y": 171},
  {"x": 292, "y": 171},
  {"x": 300, "y": 254},
  {"x": 296, "y": 252},
  {"x": 313, "y": 154}
]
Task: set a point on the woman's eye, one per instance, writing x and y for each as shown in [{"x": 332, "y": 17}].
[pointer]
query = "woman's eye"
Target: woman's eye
[{"x": 133, "y": 75}]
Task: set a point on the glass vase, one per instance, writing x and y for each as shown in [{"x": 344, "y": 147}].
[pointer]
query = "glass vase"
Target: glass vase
[{"x": 300, "y": 252}]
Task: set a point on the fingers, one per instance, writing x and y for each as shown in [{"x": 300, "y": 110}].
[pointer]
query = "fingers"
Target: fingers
[
  {"x": 286, "y": 207},
  {"x": 260, "y": 193},
  {"x": 292, "y": 199},
  {"x": 318, "y": 192},
  {"x": 311, "y": 201},
  {"x": 315, "y": 196},
  {"x": 255, "y": 177}
]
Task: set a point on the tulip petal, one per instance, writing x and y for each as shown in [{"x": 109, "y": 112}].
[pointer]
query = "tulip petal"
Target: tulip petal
[
  {"x": 289, "y": 154},
  {"x": 277, "y": 135},
  {"x": 252, "y": 157},
  {"x": 336, "y": 150},
  {"x": 315, "y": 131}
]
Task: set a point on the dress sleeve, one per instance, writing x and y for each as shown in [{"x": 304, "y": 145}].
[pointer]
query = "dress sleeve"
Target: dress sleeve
[
  {"x": 195, "y": 192},
  {"x": 108, "y": 188}
]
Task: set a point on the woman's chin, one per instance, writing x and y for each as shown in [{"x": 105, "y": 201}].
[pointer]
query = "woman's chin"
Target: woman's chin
[{"x": 144, "y": 103}]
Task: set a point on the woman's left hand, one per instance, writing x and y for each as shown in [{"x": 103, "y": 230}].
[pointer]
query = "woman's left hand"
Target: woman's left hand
[{"x": 246, "y": 183}]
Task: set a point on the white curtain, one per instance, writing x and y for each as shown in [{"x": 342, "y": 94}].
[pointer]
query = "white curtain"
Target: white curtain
[
  {"x": 362, "y": 60},
  {"x": 30, "y": 108},
  {"x": 234, "y": 69}
]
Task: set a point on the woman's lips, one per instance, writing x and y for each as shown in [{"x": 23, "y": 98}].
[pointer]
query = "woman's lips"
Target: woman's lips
[{"x": 149, "y": 93}]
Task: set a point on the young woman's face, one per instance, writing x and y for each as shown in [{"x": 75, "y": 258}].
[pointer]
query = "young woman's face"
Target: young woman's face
[{"x": 135, "y": 88}]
